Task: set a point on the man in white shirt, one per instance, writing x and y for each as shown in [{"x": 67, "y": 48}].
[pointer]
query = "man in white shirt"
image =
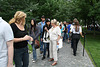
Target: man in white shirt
[{"x": 6, "y": 44}]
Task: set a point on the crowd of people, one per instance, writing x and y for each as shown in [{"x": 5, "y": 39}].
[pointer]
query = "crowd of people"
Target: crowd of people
[{"x": 14, "y": 39}]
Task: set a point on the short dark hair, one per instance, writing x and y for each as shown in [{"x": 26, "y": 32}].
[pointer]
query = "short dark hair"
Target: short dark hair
[{"x": 43, "y": 16}]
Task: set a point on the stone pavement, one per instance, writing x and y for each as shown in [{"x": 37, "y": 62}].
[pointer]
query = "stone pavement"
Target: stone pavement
[{"x": 65, "y": 58}]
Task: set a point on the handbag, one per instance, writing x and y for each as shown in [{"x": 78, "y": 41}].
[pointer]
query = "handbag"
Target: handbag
[
  {"x": 37, "y": 44},
  {"x": 60, "y": 43}
]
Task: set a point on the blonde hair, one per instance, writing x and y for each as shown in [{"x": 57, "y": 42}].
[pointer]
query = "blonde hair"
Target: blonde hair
[
  {"x": 18, "y": 17},
  {"x": 54, "y": 21},
  {"x": 58, "y": 23},
  {"x": 75, "y": 20}
]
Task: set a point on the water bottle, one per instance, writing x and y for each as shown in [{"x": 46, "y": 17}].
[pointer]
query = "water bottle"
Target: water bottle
[{"x": 29, "y": 42}]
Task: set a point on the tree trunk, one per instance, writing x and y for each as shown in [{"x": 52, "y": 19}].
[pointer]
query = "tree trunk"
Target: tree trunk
[{"x": 93, "y": 25}]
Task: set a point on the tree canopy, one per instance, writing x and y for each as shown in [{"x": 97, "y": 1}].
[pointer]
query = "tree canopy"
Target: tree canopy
[{"x": 62, "y": 10}]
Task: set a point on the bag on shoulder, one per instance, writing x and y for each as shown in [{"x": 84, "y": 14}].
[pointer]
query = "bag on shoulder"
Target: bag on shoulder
[{"x": 37, "y": 44}]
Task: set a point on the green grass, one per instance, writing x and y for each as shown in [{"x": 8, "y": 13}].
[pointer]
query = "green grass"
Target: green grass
[
  {"x": 30, "y": 47},
  {"x": 93, "y": 43}
]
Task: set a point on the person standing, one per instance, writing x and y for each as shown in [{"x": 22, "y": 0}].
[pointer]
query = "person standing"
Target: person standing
[
  {"x": 68, "y": 30},
  {"x": 62, "y": 29},
  {"x": 21, "y": 55},
  {"x": 46, "y": 38},
  {"x": 77, "y": 31},
  {"x": 42, "y": 23},
  {"x": 55, "y": 35},
  {"x": 72, "y": 23},
  {"x": 64, "y": 38},
  {"x": 6, "y": 44},
  {"x": 34, "y": 33}
]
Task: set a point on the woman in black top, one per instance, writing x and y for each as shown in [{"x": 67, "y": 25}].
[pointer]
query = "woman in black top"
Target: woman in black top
[
  {"x": 21, "y": 56},
  {"x": 45, "y": 38}
]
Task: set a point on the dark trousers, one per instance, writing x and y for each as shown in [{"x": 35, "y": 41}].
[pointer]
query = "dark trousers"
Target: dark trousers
[
  {"x": 41, "y": 42},
  {"x": 46, "y": 47},
  {"x": 71, "y": 43},
  {"x": 64, "y": 38},
  {"x": 21, "y": 57},
  {"x": 75, "y": 41}
]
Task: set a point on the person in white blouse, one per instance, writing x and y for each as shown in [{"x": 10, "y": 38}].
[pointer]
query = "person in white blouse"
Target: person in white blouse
[
  {"x": 55, "y": 35},
  {"x": 76, "y": 30}
]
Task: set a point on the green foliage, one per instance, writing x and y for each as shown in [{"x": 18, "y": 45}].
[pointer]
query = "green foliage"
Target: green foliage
[{"x": 62, "y": 10}]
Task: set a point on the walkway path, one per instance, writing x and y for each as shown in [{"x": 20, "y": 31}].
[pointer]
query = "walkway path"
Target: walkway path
[{"x": 66, "y": 58}]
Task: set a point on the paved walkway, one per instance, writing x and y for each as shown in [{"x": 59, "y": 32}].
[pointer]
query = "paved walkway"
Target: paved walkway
[{"x": 66, "y": 58}]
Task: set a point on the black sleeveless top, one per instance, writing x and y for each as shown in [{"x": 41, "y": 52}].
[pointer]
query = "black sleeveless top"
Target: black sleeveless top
[{"x": 19, "y": 34}]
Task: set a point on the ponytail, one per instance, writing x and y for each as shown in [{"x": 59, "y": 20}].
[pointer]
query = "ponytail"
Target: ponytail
[
  {"x": 12, "y": 21},
  {"x": 76, "y": 28}
]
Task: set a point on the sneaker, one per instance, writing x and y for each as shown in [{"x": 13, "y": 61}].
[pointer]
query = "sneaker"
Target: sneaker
[
  {"x": 41, "y": 52},
  {"x": 74, "y": 54},
  {"x": 47, "y": 56},
  {"x": 58, "y": 51},
  {"x": 43, "y": 58},
  {"x": 33, "y": 61}
]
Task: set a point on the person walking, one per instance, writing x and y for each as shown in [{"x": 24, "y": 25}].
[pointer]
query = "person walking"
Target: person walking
[
  {"x": 68, "y": 31},
  {"x": 62, "y": 29},
  {"x": 42, "y": 23},
  {"x": 6, "y": 44},
  {"x": 77, "y": 31},
  {"x": 21, "y": 55},
  {"x": 46, "y": 38},
  {"x": 55, "y": 35},
  {"x": 34, "y": 33},
  {"x": 64, "y": 38}
]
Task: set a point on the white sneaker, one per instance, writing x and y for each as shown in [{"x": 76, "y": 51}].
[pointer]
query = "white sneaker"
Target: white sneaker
[{"x": 34, "y": 61}]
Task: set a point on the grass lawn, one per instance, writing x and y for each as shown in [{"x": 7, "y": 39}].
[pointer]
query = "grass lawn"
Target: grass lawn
[{"x": 93, "y": 43}]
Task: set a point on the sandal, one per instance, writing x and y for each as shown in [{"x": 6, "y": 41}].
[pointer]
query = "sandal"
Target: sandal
[
  {"x": 51, "y": 59},
  {"x": 54, "y": 63}
]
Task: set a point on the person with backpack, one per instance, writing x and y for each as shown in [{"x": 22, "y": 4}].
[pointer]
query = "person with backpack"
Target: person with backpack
[
  {"x": 46, "y": 38},
  {"x": 77, "y": 31}
]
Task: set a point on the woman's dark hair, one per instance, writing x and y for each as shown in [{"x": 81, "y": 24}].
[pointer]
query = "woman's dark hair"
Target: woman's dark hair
[
  {"x": 33, "y": 26},
  {"x": 48, "y": 20},
  {"x": 70, "y": 22},
  {"x": 47, "y": 24},
  {"x": 77, "y": 26}
]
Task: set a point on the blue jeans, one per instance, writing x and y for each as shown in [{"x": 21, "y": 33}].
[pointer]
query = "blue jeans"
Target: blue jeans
[
  {"x": 34, "y": 53},
  {"x": 41, "y": 43},
  {"x": 64, "y": 38},
  {"x": 46, "y": 47},
  {"x": 21, "y": 57}
]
